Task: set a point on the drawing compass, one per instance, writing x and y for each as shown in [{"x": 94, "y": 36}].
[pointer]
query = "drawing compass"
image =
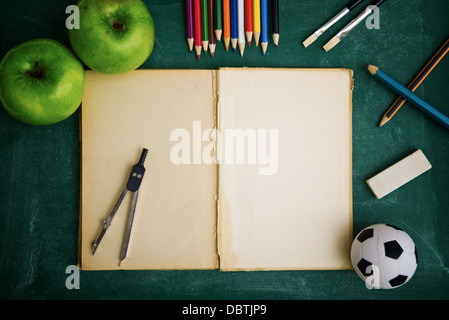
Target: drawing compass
[{"x": 133, "y": 185}]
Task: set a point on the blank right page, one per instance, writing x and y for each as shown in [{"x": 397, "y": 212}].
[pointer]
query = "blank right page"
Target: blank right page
[{"x": 285, "y": 168}]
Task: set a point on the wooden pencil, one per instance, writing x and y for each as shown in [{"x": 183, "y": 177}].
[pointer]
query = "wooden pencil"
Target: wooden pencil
[
  {"x": 264, "y": 25},
  {"x": 401, "y": 90},
  {"x": 226, "y": 24},
  {"x": 249, "y": 21},
  {"x": 211, "y": 26},
  {"x": 204, "y": 25},
  {"x": 241, "y": 17},
  {"x": 256, "y": 21},
  {"x": 275, "y": 21},
  {"x": 234, "y": 24},
  {"x": 218, "y": 19},
  {"x": 416, "y": 82},
  {"x": 189, "y": 22},
  {"x": 197, "y": 27}
]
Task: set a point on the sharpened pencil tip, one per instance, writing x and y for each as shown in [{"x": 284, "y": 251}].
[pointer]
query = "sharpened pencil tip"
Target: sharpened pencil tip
[
  {"x": 384, "y": 121},
  {"x": 276, "y": 39},
  {"x": 264, "y": 46},
  {"x": 241, "y": 48}
]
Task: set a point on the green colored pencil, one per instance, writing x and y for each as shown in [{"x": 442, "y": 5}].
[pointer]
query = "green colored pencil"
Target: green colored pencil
[
  {"x": 204, "y": 25},
  {"x": 218, "y": 19}
]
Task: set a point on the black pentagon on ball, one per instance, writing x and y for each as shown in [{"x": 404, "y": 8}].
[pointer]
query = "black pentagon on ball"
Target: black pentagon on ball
[
  {"x": 393, "y": 249},
  {"x": 363, "y": 267},
  {"x": 365, "y": 235},
  {"x": 399, "y": 280}
]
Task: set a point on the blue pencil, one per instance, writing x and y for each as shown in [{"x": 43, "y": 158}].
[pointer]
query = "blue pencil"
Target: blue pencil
[
  {"x": 264, "y": 25},
  {"x": 406, "y": 93},
  {"x": 234, "y": 23}
]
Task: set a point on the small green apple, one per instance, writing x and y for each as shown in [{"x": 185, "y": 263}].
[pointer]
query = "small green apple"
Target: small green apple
[
  {"x": 115, "y": 36},
  {"x": 41, "y": 82}
]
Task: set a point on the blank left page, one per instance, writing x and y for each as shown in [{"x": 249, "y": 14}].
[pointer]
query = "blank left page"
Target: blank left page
[{"x": 175, "y": 220}]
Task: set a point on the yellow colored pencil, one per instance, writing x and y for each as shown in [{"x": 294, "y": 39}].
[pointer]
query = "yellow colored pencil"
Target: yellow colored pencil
[{"x": 256, "y": 20}]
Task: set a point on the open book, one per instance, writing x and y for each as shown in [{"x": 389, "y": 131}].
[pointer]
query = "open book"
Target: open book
[{"x": 248, "y": 169}]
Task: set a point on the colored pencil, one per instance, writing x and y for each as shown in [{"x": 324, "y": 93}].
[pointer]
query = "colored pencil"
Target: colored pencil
[
  {"x": 197, "y": 27},
  {"x": 226, "y": 23},
  {"x": 275, "y": 21},
  {"x": 416, "y": 82},
  {"x": 241, "y": 16},
  {"x": 256, "y": 21},
  {"x": 401, "y": 90},
  {"x": 204, "y": 25},
  {"x": 210, "y": 18},
  {"x": 354, "y": 23},
  {"x": 234, "y": 24},
  {"x": 354, "y": 4},
  {"x": 264, "y": 25},
  {"x": 218, "y": 19},
  {"x": 189, "y": 21},
  {"x": 249, "y": 21}
]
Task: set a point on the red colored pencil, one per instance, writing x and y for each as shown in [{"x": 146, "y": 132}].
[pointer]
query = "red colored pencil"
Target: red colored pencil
[
  {"x": 197, "y": 19},
  {"x": 249, "y": 20}
]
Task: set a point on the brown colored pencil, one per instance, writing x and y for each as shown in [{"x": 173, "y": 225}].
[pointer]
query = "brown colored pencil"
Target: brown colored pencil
[{"x": 211, "y": 26}]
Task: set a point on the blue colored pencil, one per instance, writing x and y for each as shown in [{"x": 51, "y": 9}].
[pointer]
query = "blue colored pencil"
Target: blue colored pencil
[
  {"x": 234, "y": 24},
  {"x": 264, "y": 25},
  {"x": 406, "y": 93}
]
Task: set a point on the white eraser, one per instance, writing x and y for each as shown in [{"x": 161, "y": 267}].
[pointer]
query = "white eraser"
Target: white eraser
[{"x": 399, "y": 174}]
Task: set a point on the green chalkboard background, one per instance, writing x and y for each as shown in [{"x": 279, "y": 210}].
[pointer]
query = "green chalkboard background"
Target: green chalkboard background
[{"x": 39, "y": 166}]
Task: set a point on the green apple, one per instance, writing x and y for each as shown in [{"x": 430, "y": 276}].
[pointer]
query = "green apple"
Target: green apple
[
  {"x": 41, "y": 82},
  {"x": 114, "y": 36}
]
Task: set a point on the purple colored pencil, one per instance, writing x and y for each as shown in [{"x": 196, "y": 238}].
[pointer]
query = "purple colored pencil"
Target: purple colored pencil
[{"x": 189, "y": 20}]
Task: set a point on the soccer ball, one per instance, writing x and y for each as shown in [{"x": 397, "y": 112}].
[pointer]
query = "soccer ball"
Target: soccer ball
[{"x": 384, "y": 256}]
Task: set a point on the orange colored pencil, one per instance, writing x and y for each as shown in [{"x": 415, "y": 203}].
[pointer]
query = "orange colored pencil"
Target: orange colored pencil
[
  {"x": 249, "y": 20},
  {"x": 226, "y": 23}
]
